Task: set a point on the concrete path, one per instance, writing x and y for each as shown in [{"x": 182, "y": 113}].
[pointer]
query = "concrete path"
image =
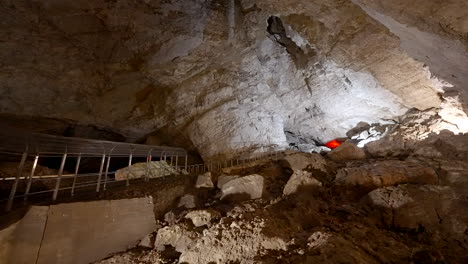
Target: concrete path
[{"x": 76, "y": 233}]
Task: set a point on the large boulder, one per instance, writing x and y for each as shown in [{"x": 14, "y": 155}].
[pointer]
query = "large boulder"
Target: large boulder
[
  {"x": 347, "y": 151},
  {"x": 386, "y": 173},
  {"x": 300, "y": 161},
  {"x": 153, "y": 169},
  {"x": 251, "y": 185},
  {"x": 204, "y": 181},
  {"x": 223, "y": 179},
  {"x": 410, "y": 207},
  {"x": 300, "y": 178}
]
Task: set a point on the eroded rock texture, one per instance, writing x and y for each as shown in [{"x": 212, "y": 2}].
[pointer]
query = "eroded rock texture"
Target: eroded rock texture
[
  {"x": 410, "y": 209},
  {"x": 433, "y": 32},
  {"x": 222, "y": 76}
]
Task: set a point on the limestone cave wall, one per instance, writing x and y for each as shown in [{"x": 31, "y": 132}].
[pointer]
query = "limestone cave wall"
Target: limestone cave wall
[{"x": 217, "y": 76}]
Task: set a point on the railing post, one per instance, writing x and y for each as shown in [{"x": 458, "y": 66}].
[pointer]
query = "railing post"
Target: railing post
[
  {"x": 77, "y": 167},
  {"x": 127, "y": 183},
  {"x": 28, "y": 186},
  {"x": 15, "y": 184},
  {"x": 148, "y": 164},
  {"x": 103, "y": 160},
  {"x": 176, "y": 162},
  {"x": 162, "y": 158},
  {"x": 106, "y": 173},
  {"x": 57, "y": 184}
]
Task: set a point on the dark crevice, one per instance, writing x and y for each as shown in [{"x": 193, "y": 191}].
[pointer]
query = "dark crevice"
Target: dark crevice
[{"x": 278, "y": 32}]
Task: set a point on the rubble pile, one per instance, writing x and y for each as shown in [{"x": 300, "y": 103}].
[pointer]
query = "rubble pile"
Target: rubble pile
[{"x": 309, "y": 208}]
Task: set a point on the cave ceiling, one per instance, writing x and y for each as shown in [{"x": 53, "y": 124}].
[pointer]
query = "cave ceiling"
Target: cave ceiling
[{"x": 220, "y": 75}]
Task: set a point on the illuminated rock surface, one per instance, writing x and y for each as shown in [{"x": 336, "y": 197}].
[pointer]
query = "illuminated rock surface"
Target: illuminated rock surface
[
  {"x": 152, "y": 169},
  {"x": 236, "y": 78},
  {"x": 223, "y": 76},
  {"x": 250, "y": 186}
]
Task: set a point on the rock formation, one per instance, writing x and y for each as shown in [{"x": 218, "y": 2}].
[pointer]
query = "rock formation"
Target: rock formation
[
  {"x": 407, "y": 210},
  {"x": 222, "y": 76},
  {"x": 265, "y": 83}
]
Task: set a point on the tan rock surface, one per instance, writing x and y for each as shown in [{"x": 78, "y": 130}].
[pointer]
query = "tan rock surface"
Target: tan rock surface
[
  {"x": 386, "y": 173},
  {"x": 299, "y": 179},
  {"x": 251, "y": 185},
  {"x": 204, "y": 181},
  {"x": 223, "y": 179},
  {"x": 347, "y": 151},
  {"x": 435, "y": 208},
  {"x": 300, "y": 161},
  {"x": 202, "y": 217}
]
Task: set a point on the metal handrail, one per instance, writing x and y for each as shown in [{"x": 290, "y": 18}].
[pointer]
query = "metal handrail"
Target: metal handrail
[
  {"x": 14, "y": 140},
  {"x": 26, "y": 144},
  {"x": 19, "y": 143}
]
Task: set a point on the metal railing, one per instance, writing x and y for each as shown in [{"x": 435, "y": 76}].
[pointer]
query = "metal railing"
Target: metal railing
[
  {"x": 30, "y": 147},
  {"x": 33, "y": 146},
  {"x": 235, "y": 162}
]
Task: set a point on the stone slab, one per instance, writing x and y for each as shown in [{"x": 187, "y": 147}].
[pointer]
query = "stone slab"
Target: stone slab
[
  {"x": 21, "y": 241},
  {"x": 84, "y": 232}
]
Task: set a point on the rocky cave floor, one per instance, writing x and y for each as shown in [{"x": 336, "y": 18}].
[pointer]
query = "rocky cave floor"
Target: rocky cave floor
[{"x": 313, "y": 208}]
